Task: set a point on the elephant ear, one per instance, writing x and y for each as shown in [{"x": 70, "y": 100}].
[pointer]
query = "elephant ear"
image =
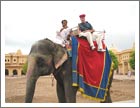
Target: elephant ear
[{"x": 60, "y": 56}]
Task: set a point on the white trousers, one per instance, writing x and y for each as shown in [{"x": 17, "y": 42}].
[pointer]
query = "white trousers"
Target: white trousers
[{"x": 95, "y": 36}]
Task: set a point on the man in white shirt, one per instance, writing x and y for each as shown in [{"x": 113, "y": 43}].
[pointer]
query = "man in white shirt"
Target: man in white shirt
[{"x": 63, "y": 33}]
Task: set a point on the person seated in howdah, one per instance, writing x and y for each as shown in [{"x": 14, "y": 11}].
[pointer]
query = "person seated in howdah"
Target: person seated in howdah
[{"x": 85, "y": 29}]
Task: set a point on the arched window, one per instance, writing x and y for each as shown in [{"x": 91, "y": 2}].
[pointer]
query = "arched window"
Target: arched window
[
  {"x": 6, "y": 72},
  {"x": 15, "y": 72},
  {"x": 22, "y": 73}
]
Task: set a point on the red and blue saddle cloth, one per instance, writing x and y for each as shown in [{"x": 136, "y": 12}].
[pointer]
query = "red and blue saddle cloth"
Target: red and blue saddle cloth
[{"x": 91, "y": 70}]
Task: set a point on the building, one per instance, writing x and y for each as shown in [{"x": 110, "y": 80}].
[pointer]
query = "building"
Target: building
[
  {"x": 14, "y": 63},
  {"x": 123, "y": 59}
]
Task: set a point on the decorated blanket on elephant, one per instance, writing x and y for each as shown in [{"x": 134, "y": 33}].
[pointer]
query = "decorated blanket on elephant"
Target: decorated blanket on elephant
[{"x": 91, "y": 69}]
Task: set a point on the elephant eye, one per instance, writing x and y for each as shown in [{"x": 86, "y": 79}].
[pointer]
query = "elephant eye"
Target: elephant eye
[{"x": 40, "y": 62}]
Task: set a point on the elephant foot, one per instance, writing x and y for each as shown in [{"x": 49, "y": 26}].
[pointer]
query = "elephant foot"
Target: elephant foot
[{"x": 107, "y": 100}]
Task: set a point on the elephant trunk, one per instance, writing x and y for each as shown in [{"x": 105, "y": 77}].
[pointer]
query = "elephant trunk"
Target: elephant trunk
[
  {"x": 31, "y": 80},
  {"x": 30, "y": 90}
]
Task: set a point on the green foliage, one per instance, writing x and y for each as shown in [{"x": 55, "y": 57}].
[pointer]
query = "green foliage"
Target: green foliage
[
  {"x": 132, "y": 60},
  {"x": 25, "y": 68},
  {"x": 114, "y": 59}
]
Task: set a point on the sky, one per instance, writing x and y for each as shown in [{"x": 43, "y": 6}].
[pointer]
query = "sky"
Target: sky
[{"x": 25, "y": 22}]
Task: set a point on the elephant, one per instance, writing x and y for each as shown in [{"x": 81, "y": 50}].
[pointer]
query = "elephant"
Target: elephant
[{"x": 43, "y": 60}]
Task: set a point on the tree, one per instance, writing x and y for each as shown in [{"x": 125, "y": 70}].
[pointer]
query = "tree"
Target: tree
[
  {"x": 132, "y": 60},
  {"x": 25, "y": 68},
  {"x": 114, "y": 59}
]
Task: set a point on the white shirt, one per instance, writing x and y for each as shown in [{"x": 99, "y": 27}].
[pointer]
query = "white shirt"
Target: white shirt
[
  {"x": 61, "y": 37},
  {"x": 64, "y": 33}
]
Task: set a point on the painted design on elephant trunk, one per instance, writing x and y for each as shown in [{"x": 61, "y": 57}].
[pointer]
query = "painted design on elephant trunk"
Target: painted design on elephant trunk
[
  {"x": 61, "y": 61},
  {"x": 31, "y": 65}
]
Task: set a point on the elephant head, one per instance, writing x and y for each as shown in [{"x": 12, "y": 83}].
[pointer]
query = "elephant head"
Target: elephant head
[{"x": 44, "y": 58}]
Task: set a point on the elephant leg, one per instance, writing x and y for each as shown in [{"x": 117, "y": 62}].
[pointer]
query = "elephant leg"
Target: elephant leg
[
  {"x": 60, "y": 93},
  {"x": 108, "y": 98},
  {"x": 70, "y": 91}
]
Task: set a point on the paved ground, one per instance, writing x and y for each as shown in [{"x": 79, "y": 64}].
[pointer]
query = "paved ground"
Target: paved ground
[
  {"x": 127, "y": 101},
  {"x": 122, "y": 90},
  {"x": 123, "y": 77}
]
